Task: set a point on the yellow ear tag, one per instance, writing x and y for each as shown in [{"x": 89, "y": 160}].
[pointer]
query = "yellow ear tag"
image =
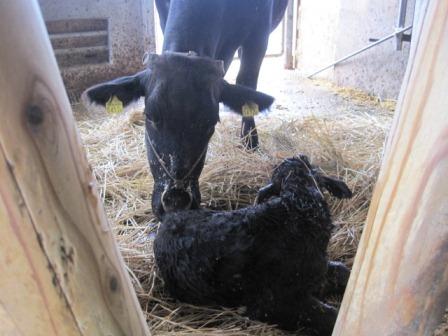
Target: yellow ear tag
[
  {"x": 114, "y": 105},
  {"x": 250, "y": 109}
]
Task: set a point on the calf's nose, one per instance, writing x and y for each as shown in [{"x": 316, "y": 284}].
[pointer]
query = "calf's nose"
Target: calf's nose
[{"x": 176, "y": 199}]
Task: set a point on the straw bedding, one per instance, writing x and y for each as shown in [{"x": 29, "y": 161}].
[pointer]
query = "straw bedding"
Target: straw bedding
[{"x": 347, "y": 145}]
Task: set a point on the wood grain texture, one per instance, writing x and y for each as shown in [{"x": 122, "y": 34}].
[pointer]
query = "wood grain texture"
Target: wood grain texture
[
  {"x": 399, "y": 282},
  {"x": 60, "y": 270},
  {"x": 289, "y": 35}
]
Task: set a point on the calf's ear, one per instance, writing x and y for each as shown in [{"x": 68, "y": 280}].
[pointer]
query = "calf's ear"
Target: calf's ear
[
  {"x": 266, "y": 192},
  {"x": 336, "y": 187},
  {"x": 127, "y": 89},
  {"x": 237, "y": 97}
]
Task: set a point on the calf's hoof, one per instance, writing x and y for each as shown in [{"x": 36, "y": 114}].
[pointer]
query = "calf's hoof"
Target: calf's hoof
[{"x": 336, "y": 279}]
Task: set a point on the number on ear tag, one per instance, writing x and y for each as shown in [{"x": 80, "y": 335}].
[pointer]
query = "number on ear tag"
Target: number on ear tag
[
  {"x": 250, "y": 109},
  {"x": 114, "y": 105}
]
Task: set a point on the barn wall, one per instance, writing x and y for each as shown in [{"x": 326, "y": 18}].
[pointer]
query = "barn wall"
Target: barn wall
[
  {"x": 350, "y": 24},
  {"x": 129, "y": 29},
  {"x": 316, "y": 35}
]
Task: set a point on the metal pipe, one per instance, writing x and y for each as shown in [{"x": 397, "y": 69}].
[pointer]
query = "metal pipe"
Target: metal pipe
[
  {"x": 388, "y": 37},
  {"x": 402, "y": 13},
  {"x": 401, "y": 20}
]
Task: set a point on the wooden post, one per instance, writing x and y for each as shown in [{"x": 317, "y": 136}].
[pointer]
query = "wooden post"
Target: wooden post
[
  {"x": 60, "y": 270},
  {"x": 399, "y": 283},
  {"x": 289, "y": 35}
]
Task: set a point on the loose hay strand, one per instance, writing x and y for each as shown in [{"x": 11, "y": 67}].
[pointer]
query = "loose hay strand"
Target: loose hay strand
[{"x": 347, "y": 146}]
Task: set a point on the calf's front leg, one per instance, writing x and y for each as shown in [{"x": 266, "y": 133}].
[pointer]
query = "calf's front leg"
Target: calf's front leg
[{"x": 336, "y": 279}]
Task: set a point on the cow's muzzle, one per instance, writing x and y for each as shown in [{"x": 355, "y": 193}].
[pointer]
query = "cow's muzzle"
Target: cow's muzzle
[{"x": 176, "y": 198}]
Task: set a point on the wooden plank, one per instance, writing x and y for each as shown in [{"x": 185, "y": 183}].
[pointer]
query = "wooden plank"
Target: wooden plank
[
  {"x": 61, "y": 271},
  {"x": 289, "y": 35},
  {"x": 399, "y": 282},
  {"x": 27, "y": 290}
]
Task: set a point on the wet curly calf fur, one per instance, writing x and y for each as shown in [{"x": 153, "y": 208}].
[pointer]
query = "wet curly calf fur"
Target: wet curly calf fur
[{"x": 270, "y": 257}]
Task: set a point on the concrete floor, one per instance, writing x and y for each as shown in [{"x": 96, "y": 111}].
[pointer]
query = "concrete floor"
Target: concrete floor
[{"x": 295, "y": 95}]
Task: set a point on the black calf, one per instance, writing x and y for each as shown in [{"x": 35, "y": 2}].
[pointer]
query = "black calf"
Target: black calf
[{"x": 270, "y": 257}]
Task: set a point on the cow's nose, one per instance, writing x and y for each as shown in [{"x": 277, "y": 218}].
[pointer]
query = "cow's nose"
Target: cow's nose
[{"x": 176, "y": 199}]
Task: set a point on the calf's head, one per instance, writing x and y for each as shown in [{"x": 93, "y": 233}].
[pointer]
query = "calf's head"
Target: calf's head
[
  {"x": 182, "y": 94},
  {"x": 298, "y": 176}
]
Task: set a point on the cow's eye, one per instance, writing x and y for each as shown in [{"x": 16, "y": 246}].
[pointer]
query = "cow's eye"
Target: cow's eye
[
  {"x": 152, "y": 123},
  {"x": 152, "y": 119}
]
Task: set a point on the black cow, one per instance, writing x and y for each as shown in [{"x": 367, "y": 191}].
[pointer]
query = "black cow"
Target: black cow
[{"x": 183, "y": 87}]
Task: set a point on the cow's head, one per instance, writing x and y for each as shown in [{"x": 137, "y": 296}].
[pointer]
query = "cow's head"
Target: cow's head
[{"x": 182, "y": 94}]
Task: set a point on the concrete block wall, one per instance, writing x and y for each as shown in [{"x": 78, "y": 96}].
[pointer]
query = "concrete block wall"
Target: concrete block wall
[
  {"x": 98, "y": 40},
  {"x": 348, "y": 25}
]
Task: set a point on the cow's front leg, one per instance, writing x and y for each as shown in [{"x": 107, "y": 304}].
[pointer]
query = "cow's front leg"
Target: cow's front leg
[
  {"x": 252, "y": 54},
  {"x": 249, "y": 133}
]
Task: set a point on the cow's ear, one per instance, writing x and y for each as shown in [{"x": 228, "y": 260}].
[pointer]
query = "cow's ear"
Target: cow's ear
[
  {"x": 237, "y": 96},
  {"x": 127, "y": 89}
]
